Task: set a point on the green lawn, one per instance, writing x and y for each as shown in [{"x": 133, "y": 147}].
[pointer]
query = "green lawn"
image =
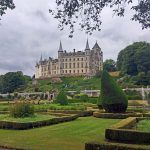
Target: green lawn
[
  {"x": 63, "y": 136},
  {"x": 144, "y": 125},
  {"x": 69, "y": 83},
  {"x": 37, "y": 117}
]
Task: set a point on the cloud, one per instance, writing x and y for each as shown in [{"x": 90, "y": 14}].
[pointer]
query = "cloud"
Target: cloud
[{"x": 30, "y": 30}]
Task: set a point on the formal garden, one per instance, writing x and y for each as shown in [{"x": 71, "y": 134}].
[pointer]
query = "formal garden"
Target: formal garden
[{"x": 116, "y": 119}]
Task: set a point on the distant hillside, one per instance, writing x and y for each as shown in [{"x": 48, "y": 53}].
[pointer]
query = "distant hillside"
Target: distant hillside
[{"x": 67, "y": 83}]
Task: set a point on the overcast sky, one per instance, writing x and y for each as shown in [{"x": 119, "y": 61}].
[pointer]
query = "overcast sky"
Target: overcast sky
[{"x": 30, "y": 30}]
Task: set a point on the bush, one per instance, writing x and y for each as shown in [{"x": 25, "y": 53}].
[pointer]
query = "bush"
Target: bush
[
  {"x": 84, "y": 98},
  {"x": 62, "y": 98},
  {"x": 99, "y": 102},
  {"x": 21, "y": 110},
  {"x": 113, "y": 98}
]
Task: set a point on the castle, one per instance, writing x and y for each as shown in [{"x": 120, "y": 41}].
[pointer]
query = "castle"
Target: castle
[{"x": 76, "y": 63}]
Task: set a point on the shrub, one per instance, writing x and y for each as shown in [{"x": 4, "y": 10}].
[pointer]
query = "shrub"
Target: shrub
[
  {"x": 99, "y": 102},
  {"x": 84, "y": 98},
  {"x": 113, "y": 98},
  {"x": 21, "y": 110},
  {"x": 62, "y": 98}
]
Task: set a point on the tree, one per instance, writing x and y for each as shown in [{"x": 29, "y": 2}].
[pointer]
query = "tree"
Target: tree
[
  {"x": 109, "y": 65},
  {"x": 12, "y": 81},
  {"x": 4, "y": 5},
  {"x": 113, "y": 99},
  {"x": 134, "y": 59},
  {"x": 62, "y": 98},
  {"x": 87, "y": 13}
]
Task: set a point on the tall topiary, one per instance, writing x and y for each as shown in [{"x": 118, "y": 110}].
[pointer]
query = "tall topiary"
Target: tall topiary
[
  {"x": 113, "y": 98},
  {"x": 62, "y": 98}
]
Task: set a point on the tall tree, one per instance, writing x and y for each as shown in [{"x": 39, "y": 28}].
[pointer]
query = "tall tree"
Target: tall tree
[
  {"x": 12, "y": 81},
  {"x": 134, "y": 58},
  {"x": 87, "y": 13},
  {"x": 109, "y": 65},
  {"x": 4, "y": 5}
]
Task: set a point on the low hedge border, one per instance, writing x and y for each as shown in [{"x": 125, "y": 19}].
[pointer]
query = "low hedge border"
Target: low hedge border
[
  {"x": 116, "y": 115},
  {"x": 79, "y": 112},
  {"x": 30, "y": 125},
  {"x": 113, "y": 146},
  {"x": 123, "y": 132}
]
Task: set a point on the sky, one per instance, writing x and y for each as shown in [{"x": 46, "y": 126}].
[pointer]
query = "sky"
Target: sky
[{"x": 29, "y": 30}]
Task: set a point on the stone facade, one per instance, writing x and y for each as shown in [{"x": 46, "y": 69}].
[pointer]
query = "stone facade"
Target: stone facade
[{"x": 75, "y": 63}]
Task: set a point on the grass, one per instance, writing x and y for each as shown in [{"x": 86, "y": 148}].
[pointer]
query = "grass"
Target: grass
[
  {"x": 64, "y": 136},
  {"x": 44, "y": 107},
  {"x": 37, "y": 117},
  {"x": 69, "y": 83},
  {"x": 144, "y": 125}
]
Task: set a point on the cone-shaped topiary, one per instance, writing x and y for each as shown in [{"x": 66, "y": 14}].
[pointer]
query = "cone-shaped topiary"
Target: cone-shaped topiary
[
  {"x": 113, "y": 98},
  {"x": 62, "y": 98}
]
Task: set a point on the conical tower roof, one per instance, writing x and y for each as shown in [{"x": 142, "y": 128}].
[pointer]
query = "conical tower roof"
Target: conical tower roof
[
  {"x": 87, "y": 45},
  {"x": 96, "y": 46},
  {"x": 60, "y": 48}
]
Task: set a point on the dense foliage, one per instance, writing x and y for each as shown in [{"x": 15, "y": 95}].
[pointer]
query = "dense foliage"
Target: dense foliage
[
  {"x": 21, "y": 110},
  {"x": 4, "y": 5},
  {"x": 134, "y": 59},
  {"x": 62, "y": 98},
  {"x": 112, "y": 97},
  {"x": 109, "y": 65},
  {"x": 88, "y": 13},
  {"x": 12, "y": 81}
]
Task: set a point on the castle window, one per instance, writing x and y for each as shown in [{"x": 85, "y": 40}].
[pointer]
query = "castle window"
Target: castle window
[
  {"x": 73, "y": 71},
  {"x": 66, "y": 71},
  {"x": 74, "y": 65},
  {"x": 70, "y": 59},
  {"x": 82, "y": 59},
  {"x": 81, "y": 65},
  {"x": 78, "y": 71},
  {"x": 66, "y": 59},
  {"x": 82, "y": 70},
  {"x": 69, "y": 65},
  {"x": 74, "y": 59},
  {"x": 66, "y": 65},
  {"x": 69, "y": 71},
  {"x": 78, "y": 65},
  {"x": 77, "y": 58}
]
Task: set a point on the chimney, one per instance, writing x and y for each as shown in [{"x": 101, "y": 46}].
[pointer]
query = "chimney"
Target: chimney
[{"x": 74, "y": 50}]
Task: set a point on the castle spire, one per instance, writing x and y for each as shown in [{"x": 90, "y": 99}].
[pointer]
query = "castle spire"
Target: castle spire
[
  {"x": 87, "y": 45},
  {"x": 96, "y": 46},
  {"x": 60, "y": 47},
  {"x": 41, "y": 57}
]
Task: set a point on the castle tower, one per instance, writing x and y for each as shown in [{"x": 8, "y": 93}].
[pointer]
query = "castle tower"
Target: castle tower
[
  {"x": 87, "y": 48},
  {"x": 96, "y": 46},
  {"x": 60, "y": 50}
]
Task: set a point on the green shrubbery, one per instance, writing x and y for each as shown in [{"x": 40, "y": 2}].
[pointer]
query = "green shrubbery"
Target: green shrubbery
[
  {"x": 21, "y": 110},
  {"x": 112, "y": 97},
  {"x": 62, "y": 98}
]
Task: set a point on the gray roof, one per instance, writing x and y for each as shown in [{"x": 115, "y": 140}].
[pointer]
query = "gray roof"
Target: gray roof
[
  {"x": 60, "y": 48},
  {"x": 96, "y": 46},
  {"x": 87, "y": 45}
]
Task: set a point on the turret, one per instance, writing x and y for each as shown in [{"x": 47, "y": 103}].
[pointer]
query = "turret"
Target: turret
[
  {"x": 60, "y": 50},
  {"x": 87, "y": 48},
  {"x": 96, "y": 46}
]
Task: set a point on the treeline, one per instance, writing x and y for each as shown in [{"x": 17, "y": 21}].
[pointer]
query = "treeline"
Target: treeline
[
  {"x": 133, "y": 62},
  {"x": 12, "y": 81}
]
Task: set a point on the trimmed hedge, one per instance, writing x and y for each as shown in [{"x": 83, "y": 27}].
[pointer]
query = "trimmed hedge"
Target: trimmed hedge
[
  {"x": 116, "y": 115},
  {"x": 29, "y": 125},
  {"x": 112, "y": 97},
  {"x": 113, "y": 146},
  {"x": 78, "y": 112},
  {"x": 122, "y": 132}
]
